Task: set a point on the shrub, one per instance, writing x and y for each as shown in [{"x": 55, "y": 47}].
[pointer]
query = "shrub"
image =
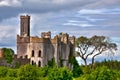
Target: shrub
[
  {"x": 3, "y": 71},
  {"x": 60, "y": 74},
  {"x": 12, "y": 73},
  {"x": 101, "y": 73},
  {"x": 28, "y": 72}
]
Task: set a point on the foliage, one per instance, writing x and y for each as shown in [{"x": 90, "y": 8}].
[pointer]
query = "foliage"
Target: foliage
[
  {"x": 93, "y": 46},
  {"x": 76, "y": 68},
  {"x": 52, "y": 63},
  {"x": 101, "y": 73},
  {"x": 28, "y": 72},
  {"x": 60, "y": 74},
  {"x": 3, "y": 71},
  {"x": 43, "y": 71},
  {"x": 111, "y": 64},
  {"x": 8, "y": 54},
  {"x": 12, "y": 73}
]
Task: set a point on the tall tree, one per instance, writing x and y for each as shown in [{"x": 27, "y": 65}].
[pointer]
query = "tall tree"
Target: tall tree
[{"x": 94, "y": 46}]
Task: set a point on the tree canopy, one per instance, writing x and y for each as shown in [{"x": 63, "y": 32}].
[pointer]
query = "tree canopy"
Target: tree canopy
[
  {"x": 8, "y": 54},
  {"x": 94, "y": 46}
]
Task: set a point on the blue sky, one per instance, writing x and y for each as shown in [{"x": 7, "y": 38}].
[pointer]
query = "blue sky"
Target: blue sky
[{"x": 76, "y": 17}]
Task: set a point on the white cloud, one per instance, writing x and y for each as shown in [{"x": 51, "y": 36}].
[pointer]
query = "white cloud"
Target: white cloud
[
  {"x": 89, "y": 11},
  {"x": 78, "y": 23},
  {"x": 13, "y": 3},
  {"x": 99, "y": 11}
]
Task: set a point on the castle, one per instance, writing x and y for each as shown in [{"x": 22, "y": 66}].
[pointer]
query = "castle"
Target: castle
[{"x": 40, "y": 50}]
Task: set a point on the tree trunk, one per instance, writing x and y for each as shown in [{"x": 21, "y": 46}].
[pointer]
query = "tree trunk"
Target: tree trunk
[
  {"x": 92, "y": 66},
  {"x": 85, "y": 62}
]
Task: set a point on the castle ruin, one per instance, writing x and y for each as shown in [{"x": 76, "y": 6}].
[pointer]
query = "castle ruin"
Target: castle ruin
[{"x": 42, "y": 49}]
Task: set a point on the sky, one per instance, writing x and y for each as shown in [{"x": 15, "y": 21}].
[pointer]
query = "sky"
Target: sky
[{"x": 76, "y": 17}]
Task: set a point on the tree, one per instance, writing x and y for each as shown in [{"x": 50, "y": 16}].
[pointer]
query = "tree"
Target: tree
[
  {"x": 8, "y": 54},
  {"x": 77, "y": 71},
  {"x": 94, "y": 46}
]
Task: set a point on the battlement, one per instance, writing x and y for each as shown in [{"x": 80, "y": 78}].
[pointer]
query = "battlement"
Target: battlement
[
  {"x": 55, "y": 39},
  {"x": 23, "y": 39},
  {"x": 72, "y": 39},
  {"x": 40, "y": 40},
  {"x": 24, "y": 16},
  {"x": 46, "y": 34},
  {"x": 64, "y": 38}
]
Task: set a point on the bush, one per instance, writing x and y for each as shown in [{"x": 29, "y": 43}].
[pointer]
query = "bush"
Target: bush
[
  {"x": 28, "y": 72},
  {"x": 60, "y": 74},
  {"x": 101, "y": 73},
  {"x": 3, "y": 71},
  {"x": 76, "y": 68},
  {"x": 12, "y": 73}
]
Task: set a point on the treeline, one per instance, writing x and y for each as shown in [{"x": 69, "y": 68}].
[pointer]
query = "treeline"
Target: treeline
[
  {"x": 33, "y": 72},
  {"x": 105, "y": 70},
  {"x": 30, "y": 72},
  {"x": 101, "y": 71},
  {"x": 111, "y": 64}
]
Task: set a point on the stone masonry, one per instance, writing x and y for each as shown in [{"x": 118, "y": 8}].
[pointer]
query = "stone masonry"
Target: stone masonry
[{"x": 42, "y": 49}]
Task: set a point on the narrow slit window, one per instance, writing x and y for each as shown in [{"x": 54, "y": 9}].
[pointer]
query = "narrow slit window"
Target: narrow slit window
[
  {"x": 39, "y": 54},
  {"x": 32, "y": 62},
  {"x": 33, "y": 54},
  {"x": 39, "y": 64}
]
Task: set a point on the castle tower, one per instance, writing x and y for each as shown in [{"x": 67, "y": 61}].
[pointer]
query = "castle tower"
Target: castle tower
[{"x": 25, "y": 25}]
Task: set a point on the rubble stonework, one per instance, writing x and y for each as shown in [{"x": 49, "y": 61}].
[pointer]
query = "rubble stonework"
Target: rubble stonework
[{"x": 42, "y": 49}]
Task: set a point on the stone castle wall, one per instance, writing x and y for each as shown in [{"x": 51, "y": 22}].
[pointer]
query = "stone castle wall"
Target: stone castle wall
[{"x": 42, "y": 49}]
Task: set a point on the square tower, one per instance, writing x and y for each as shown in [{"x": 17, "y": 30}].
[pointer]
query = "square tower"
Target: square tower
[{"x": 25, "y": 25}]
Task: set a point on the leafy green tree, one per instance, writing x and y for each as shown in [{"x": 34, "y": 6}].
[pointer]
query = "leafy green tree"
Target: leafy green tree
[
  {"x": 8, "y": 54},
  {"x": 77, "y": 71},
  {"x": 94, "y": 46}
]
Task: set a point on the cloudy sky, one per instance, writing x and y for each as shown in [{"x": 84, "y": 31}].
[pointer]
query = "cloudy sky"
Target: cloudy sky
[{"x": 76, "y": 17}]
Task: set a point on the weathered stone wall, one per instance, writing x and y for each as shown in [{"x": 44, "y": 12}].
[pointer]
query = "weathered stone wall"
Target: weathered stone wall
[
  {"x": 16, "y": 61},
  {"x": 37, "y": 48},
  {"x": 60, "y": 47}
]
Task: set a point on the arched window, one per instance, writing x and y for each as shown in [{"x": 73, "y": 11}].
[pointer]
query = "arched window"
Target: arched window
[
  {"x": 33, "y": 53},
  {"x": 39, "y": 54},
  {"x": 32, "y": 62},
  {"x": 39, "y": 64}
]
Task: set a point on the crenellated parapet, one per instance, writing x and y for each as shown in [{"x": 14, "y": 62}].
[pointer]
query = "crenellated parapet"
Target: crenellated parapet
[
  {"x": 55, "y": 40},
  {"x": 23, "y": 39},
  {"x": 24, "y": 16},
  {"x": 72, "y": 39},
  {"x": 46, "y": 34},
  {"x": 64, "y": 38}
]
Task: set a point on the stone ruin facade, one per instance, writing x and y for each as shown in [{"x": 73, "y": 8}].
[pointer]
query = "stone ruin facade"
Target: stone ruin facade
[{"x": 40, "y": 50}]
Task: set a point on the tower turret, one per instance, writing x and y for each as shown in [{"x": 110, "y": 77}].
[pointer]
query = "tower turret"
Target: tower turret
[{"x": 25, "y": 25}]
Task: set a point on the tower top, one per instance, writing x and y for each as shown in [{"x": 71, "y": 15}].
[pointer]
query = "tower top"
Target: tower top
[
  {"x": 25, "y": 16},
  {"x": 25, "y": 25}
]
